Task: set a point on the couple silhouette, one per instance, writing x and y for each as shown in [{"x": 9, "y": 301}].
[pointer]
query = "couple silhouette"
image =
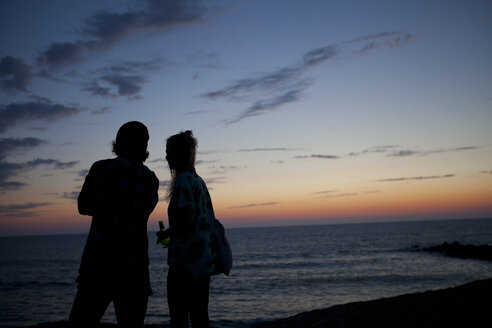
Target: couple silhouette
[{"x": 120, "y": 194}]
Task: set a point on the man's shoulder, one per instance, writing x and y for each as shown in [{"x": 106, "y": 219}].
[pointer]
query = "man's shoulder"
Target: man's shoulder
[
  {"x": 119, "y": 166},
  {"x": 105, "y": 164},
  {"x": 150, "y": 173}
]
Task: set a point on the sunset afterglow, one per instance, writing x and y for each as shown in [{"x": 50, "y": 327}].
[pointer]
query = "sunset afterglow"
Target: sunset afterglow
[{"x": 305, "y": 111}]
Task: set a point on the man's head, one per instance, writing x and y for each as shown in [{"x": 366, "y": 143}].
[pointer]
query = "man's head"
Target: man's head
[{"x": 131, "y": 142}]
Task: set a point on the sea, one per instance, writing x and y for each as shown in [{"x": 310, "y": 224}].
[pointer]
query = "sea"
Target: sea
[{"x": 278, "y": 271}]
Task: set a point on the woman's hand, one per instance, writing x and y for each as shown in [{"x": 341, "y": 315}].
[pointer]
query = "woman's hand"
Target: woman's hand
[{"x": 161, "y": 235}]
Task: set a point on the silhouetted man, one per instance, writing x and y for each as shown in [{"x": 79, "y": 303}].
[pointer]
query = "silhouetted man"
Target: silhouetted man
[{"x": 119, "y": 194}]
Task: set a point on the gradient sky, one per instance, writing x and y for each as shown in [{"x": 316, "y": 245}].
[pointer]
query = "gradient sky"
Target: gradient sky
[{"x": 305, "y": 111}]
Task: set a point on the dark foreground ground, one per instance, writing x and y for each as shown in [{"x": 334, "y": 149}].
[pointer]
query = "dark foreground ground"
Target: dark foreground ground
[{"x": 468, "y": 305}]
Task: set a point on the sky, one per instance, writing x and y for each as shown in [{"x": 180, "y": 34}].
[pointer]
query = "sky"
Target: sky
[{"x": 305, "y": 111}]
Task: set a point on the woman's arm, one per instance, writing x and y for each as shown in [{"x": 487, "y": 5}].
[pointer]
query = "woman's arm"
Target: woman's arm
[{"x": 184, "y": 221}]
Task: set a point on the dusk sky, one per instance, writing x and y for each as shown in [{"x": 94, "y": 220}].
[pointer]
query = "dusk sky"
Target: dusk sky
[{"x": 305, "y": 111}]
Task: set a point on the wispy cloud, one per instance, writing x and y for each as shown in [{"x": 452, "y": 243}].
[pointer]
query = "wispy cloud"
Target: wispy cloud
[
  {"x": 262, "y": 106},
  {"x": 375, "y": 149},
  {"x": 244, "y": 87},
  {"x": 127, "y": 86},
  {"x": 392, "y": 151},
  {"x": 371, "y": 192},
  {"x": 105, "y": 28},
  {"x": 409, "y": 152},
  {"x": 323, "y": 192},
  {"x": 215, "y": 180},
  {"x": 123, "y": 79},
  {"x": 12, "y": 145},
  {"x": 101, "y": 111},
  {"x": 350, "y": 194},
  {"x": 54, "y": 163},
  {"x": 20, "y": 210},
  {"x": 8, "y": 171},
  {"x": 266, "y": 149},
  {"x": 285, "y": 85},
  {"x": 430, "y": 177},
  {"x": 385, "y": 40},
  {"x": 255, "y": 205},
  {"x": 15, "y": 74},
  {"x": 319, "y": 156},
  {"x": 81, "y": 175},
  {"x": 39, "y": 110},
  {"x": 165, "y": 183},
  {"x": 73, "y": 195}
]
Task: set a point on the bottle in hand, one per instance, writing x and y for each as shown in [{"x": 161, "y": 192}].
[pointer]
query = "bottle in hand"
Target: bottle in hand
[{"x": 165, "y": 242}]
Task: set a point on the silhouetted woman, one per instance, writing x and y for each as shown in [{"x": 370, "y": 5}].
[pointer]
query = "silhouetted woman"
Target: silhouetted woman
[{"x": 190, "y": 216}]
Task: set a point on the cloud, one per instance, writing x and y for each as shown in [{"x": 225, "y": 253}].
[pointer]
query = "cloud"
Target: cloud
[
  {"x": 126, "y": 85},
  {"x": 14, "y": 74},
  {"x": 158, "y": 160},
  {"x": 255, "y": 205},
  {"x": 121, "y": 79},
  {"x": 262, "y": 106},
  {"x": 205, "y": 162},
  {"x": 375, "y": 149},
  {"x": 54, "y": 163},
  {"x": 10, "y": 170},
  {"x": 165, "y": 183},
  {"x": 214, "y": 180},
  {"x": 286, "y": 84},
  {"x": 221, "y": 170},
  {"x": 405, "y": 153},
  {"x": 20, "y": 210},
  {"x": 318, "y": 156},
  {"x": 81, "y": 175},
  {"x": 11, "y": 145},
  {"x": 104, "y": 28},
  {"x": 323, "y": 192},
  {"x": 408, "y": 152},
  {"x": 7, "y": 170},
  {"x": 342, "y": 195},
  {"x": 385, "y": 40},
  {"x": 431, "y": 177},
  {"x": 260, "y": 83},
  {"x": 73, "y": 195},
  {"x": 41, "y": 109},
  {"x": 319, "y": 55},
  {"x": 371, "y": 192},
  {"x": 267, "y": 149},
  {"x": 101, "y": 111},
  {"x": 62, "y": 53}
]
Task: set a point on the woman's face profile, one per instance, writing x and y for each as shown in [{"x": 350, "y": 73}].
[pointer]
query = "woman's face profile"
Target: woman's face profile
[{"x": 171, "y": 156}]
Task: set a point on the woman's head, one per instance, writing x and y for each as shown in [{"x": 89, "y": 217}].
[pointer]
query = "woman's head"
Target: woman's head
[
  {"x": 181, "y": 151},
  {"x": 180, "y": 155},
  {"x": 131, "y": 142}
]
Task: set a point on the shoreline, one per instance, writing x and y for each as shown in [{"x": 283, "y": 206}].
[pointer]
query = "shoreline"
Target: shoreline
[{"x": 466, "y": 305}]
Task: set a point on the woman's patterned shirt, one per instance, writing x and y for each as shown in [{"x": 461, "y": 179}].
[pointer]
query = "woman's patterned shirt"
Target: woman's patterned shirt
[{"x": 190, "y": 248}]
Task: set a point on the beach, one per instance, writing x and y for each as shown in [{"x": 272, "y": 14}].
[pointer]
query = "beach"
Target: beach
[{"x": 467, "y": 305}]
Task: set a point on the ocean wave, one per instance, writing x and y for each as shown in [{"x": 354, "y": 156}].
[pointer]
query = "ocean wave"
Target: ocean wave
[{"x": 33, "y": 283}]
